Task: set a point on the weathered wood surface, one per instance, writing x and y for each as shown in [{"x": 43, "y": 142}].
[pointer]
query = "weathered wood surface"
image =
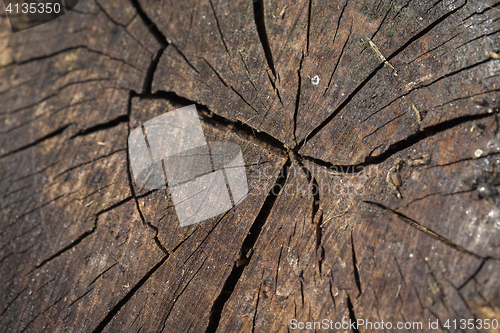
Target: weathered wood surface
[{"x": 388, "y": 107}]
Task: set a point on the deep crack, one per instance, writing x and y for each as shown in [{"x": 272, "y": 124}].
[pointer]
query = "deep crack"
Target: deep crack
[
  {"x": 259, "y": 17},
  {"x": 106, "y": 320},
  {"x": 248, "y": 243}
]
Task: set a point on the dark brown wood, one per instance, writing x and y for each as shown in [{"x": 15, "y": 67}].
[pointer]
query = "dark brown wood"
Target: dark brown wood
[{"x": 371, "y": 138}]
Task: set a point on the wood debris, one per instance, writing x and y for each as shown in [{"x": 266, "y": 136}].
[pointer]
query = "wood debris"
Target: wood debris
[
  {"x": 492, "y": 55},
  {"x": 282, "y": 13},
  {"x": 380, "y": 55},
  {"x": 418, "y": 160},
  {"x": 393, "y": 178},
  {"x": 417, "y": 113},
  {"x": 417, "y": 82}
]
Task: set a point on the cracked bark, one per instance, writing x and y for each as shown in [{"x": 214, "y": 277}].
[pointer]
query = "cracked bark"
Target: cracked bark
[{"x": 77, "y": 234}]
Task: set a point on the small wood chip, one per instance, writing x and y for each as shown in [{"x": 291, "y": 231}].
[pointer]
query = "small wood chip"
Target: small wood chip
[
  {"x": 479, "y": 102},
  {"x": 492, "y": 55},
  {"x": 282, "y": 13},
  {"x": 417, "y": 113},
  {"x": 396, "y": 179}
]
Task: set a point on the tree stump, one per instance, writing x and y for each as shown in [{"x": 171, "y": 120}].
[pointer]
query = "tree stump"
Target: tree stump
[{"x": 371, "y": 138}]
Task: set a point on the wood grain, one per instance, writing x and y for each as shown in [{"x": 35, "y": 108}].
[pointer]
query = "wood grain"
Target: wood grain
[{"x": 370, "y": 135}]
